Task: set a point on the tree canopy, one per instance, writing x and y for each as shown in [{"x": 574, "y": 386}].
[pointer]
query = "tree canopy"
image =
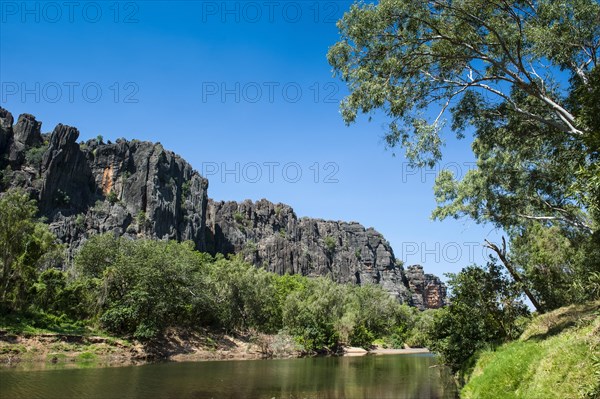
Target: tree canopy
[
  {"x": 522, "y": 78},
  {"x": 406, "y": 56}
]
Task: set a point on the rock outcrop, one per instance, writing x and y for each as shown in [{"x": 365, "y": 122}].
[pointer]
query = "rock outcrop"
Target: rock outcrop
[
  {"x": 129, "y": 187},
  {"x": 139, "y": 189},
  {"x": 428, "y": 291},
  {"x": 272, "y": 236}
]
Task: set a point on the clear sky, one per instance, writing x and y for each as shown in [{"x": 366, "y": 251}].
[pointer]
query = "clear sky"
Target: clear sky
[{"x": 243, "y": 91}]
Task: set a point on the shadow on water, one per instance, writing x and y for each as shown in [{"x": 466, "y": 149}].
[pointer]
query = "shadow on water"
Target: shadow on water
[{"x": 389, "y": 376}]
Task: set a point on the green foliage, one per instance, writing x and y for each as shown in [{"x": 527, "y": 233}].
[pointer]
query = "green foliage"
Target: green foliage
[
  {"x": 405, "y": 56},
  {"x": 555, "y": 358},
  {"x": 186, "y": 189},
  {"x": 557, "y": 268},
  {"x": 330, "y": 243},
  {"x": 324, "y": 315},
  {"x": 311, "y": 315},
  {"x": 57, "y": 294},
  {"x": 34, "y": 155},
  {"x": 139, "y": 288},
  {"x": 145, "y": 286},
  {"x": 536, "y": 136},
  {"x": 98, "y": 253},
  {"x": 48, "y": 288},
  {"x": 26, "y": 246},
  {"x": 112, "y": 197},
  {"x": 484, "y": 310},
  {"x": 80, "y": 220},
  {"x": 419, "y": 336},
  {"x": 100, "y": 139},
  {"x": 287, "y": 284},
  {"x": 37, "y": 322},
  {"x": 148, "y": 285},
  {"x": 142, "y": 220},
  {"x": 245, "y": 296},
  {"x": 238, "y": 217}
]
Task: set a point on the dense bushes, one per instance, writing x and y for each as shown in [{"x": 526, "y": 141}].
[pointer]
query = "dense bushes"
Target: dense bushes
[
  {"x": 139, "y": 288},
  {"x": 144, "y": 286},
  {"x": 26, "y": 246},
  {"x": 485, "y": 311}
]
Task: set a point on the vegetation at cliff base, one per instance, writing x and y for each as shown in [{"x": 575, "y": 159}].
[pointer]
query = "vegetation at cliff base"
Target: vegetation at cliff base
[{"x": 140, "y": 288}]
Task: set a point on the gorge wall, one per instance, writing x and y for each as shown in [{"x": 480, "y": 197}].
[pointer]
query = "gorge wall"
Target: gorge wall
[
  {"x": 131, "y": 188},
  {"x": 272, "y": 236},
  {"x": 139, "y": 189}
]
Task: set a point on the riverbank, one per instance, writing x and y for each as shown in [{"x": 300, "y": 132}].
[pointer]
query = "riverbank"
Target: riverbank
[
  {"x": 51, "y": 350},
  {"x": 41, "y": 350},
  {"x": 557, "y": 356}
]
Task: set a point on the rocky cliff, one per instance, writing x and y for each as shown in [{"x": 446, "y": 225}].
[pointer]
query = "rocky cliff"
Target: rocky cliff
[
  {"x": 132, "y": 188},
  {"x": 272, "y": 236},
  {"x": 139, "y": 189}
]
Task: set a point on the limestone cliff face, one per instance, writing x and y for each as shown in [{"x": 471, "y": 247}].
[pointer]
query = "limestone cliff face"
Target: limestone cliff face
[
  {"x": 138, "y": 189},
  {"x": 272, "y": 236},
  {"x": 428, "y": 291},
  {"x": 132, "y": 188}
]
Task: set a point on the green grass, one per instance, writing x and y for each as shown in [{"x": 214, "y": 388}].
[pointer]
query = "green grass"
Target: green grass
[
  {"x": 86, "y": 357},
  {"x": 41, "y": 323},
  {"x": 558, "y": 356},
  {"x": 13, "y": 349}
]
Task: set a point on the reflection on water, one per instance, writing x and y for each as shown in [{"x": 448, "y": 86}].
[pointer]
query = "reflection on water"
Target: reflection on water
[{"x": 389, "y": 376}]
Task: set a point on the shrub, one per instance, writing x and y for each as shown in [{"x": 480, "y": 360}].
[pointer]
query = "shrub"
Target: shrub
[
  {"x": 330, "y": 243},
  {"x": 34, "y": 155},
  {"x": 238, "y": 217},
  {"x": 112, "y": 197}
]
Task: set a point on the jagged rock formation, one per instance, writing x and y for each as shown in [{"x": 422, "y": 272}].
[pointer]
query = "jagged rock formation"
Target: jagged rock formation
[
  {"x": 428, "y": 291},
  {"x": 272, "y": 236},
  {"x": 133, "y": 188},
  {"x": 139, "y": 189}
]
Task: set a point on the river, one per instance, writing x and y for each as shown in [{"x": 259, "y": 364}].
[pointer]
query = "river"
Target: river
[{"x": 372, "y": 377}]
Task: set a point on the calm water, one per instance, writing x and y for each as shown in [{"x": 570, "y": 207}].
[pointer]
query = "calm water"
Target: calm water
[{"x": 373, "y": 377}]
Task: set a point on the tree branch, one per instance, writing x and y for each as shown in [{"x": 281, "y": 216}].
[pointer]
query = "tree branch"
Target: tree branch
[{"x": 513, "y": 272}]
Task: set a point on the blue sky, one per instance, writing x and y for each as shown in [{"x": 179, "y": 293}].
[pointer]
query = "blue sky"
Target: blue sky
[{"x": 243, "y": 91}]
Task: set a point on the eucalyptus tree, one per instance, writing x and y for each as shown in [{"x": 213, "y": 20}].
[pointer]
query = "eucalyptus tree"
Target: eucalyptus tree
[
  {"x": 404, "y": 56},
  {"x": 521, "y": 77}
]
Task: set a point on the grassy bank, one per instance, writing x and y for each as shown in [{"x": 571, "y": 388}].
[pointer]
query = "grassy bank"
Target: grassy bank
[{"x": 557, "y": 356}]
